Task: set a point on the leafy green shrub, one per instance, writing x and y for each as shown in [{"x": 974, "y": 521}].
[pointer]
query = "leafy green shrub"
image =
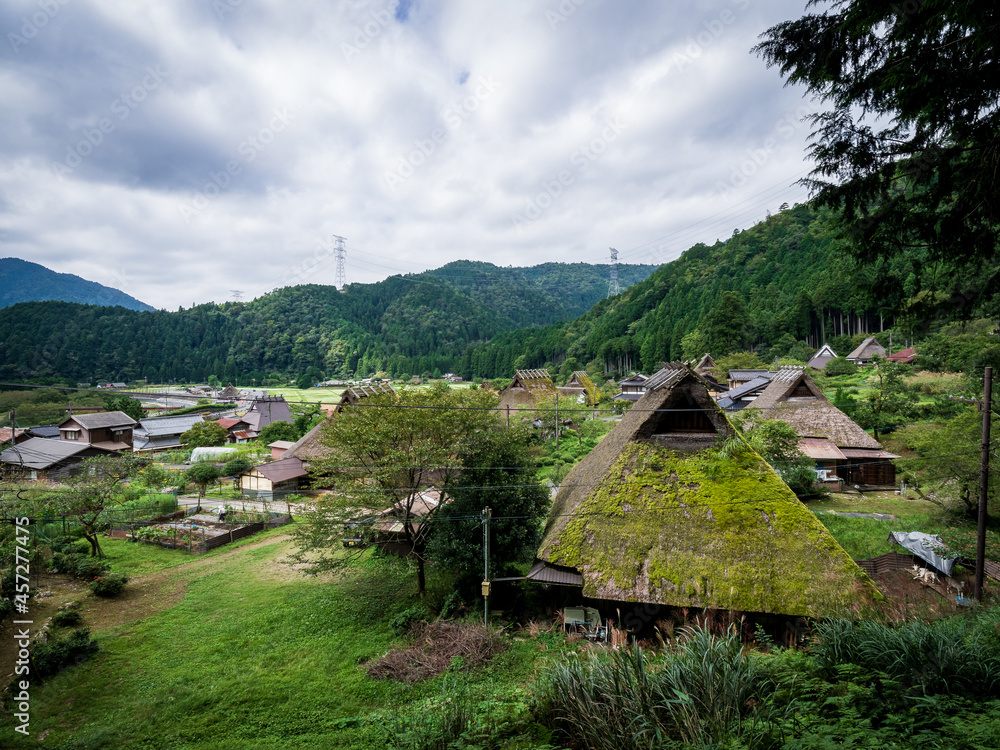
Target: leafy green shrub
[
  {"x": 402, "y": 622},
  {"x": 91, "y": 567},
  {"x": 840, "y": 366},
  {"x": 62, "y": 563},
  {"x": 67, "y": 618},
  {"x": 67, "y": 546},
  {"x": 109, "y": 585},
  {"x": 452, "y": 721},
  {"x": 55, "y": 655},
  {"x": 6, "y": 609}
]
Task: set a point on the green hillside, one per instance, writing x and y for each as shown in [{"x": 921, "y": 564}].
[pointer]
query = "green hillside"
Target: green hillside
[
  {"x": 780, "y": 282},
  {"x": 405, "y": 324}
]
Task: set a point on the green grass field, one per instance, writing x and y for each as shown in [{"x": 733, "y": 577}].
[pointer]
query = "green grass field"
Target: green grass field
[
  {"x": 255, "y": 655},
  {"x": 864, "y": 538}
]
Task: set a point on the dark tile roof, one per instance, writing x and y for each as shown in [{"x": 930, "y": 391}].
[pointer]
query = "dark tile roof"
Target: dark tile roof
[{"x": 101, "y": 419}]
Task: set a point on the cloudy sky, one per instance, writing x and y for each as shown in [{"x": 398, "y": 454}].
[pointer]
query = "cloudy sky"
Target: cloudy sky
[{"x": 183, "y": 149}]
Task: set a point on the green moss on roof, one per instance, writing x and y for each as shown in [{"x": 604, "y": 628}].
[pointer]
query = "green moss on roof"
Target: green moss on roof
[{"x": 690, "y": 529}]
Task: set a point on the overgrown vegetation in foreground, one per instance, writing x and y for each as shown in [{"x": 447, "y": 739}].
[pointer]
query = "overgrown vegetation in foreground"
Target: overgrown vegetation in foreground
[{"x": 256, "y": 656}]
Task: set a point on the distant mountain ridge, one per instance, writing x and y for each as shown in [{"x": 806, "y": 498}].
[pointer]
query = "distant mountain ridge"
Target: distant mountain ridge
[
  {"x": 24, "y": 281},
  {"x": 404, "y": 324}
]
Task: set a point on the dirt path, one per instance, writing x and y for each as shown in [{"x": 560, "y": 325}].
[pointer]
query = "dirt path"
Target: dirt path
[{"x": 144, "y": 596}]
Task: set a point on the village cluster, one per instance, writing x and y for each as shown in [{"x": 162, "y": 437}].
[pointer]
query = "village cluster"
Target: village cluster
[{"x": 643, "y": 518}]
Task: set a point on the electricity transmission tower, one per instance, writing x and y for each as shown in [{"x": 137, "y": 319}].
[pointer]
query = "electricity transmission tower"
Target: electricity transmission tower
[
  {"x": 613, "y": 287},
  {"x": 341, "y": 252}
]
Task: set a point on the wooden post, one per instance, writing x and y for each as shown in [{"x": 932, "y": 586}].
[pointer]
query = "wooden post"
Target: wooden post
[{"x": 984, "y": 479}]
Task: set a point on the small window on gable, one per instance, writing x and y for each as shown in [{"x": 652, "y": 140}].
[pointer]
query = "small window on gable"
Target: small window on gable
[
  {"x": 801, "y": 391},
  {"x": 682, "y": 415}
]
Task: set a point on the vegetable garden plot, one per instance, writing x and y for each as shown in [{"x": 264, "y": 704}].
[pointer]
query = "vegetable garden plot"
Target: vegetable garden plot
[{"x": 204, "y": 531}]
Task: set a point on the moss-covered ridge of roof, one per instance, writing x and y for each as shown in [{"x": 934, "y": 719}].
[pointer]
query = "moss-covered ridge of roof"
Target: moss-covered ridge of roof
[{"x": 693, "y": 529}]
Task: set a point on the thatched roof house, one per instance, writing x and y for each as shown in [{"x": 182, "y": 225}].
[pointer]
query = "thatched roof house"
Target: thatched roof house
[
  {"x": 705, "y": 365},
  {"x": 820, "y": 358},
  {"x": 526, "y": 389},
  {"x": 580, "y": 384},
  {"x": 835, "y": 441},
  {"x": 866, "y": 352},
  {"x": 653, "y": 514}
]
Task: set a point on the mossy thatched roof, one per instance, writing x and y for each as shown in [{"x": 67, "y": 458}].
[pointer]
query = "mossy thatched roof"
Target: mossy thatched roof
[
  {"x": 580, "y": 383},
  {"x": 655, "y": 514}
]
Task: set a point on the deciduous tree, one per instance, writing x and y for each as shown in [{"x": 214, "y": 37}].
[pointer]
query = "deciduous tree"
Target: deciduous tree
[
  {"x": 204, "y": 434},
  {"x": 383, "y": 452},
  {"x": 97, "y": 488}
]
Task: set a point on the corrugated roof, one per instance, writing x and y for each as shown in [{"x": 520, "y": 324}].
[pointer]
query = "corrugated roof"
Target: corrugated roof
[
  {"x": 41, "y": 453},
  {"x": 156, "y": 426},
  {"x": 742, "y": 376},
  {"x": 903, "y": 355},
  {"x": 669, "y": 376},
  {"x": 820, "y": 449},
  {"x": 283, "y": 469},
  {"x": 543, "y": 572},
  {"x": 867, "y": 453},
  {"x": 748, "y": 389}
]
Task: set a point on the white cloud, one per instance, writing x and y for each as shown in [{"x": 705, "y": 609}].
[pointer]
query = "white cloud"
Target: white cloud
[{"x": 646, "y": 126}]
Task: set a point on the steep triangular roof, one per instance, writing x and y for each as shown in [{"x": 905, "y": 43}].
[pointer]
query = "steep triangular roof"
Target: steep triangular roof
[
  {"x": 580, "y": 382},
  {"x": 819, "y": 359},
  {"x": 229, "y": 392},
  {"x": 310, "y": 446},
  {"x": 794, "y": 398},
  {"x": 868, "y": 349},
  {"x": 705, "y": 364},
  {"x": 654, "y": 514},
  {"x": 527, "y": 388}
]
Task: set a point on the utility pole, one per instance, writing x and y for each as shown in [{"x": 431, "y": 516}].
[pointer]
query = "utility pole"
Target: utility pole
[
  {"x": 487, "y": 514},
  {"x": 984, "y": 478},
  {"x": 557, "y": 423},
  {"x": 985, "y": 406}
]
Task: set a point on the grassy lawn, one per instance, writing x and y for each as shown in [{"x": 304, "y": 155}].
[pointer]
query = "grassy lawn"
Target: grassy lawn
[
  {"x": 864, "y": 538},
  {"x": 255, "y": 655}
]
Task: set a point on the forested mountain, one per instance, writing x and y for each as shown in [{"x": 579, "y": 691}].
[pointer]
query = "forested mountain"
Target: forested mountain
[
  {"x": 405, "y": 324},
  {"x": 779, "y": 282},
  {"x": 23, "y": 281}
]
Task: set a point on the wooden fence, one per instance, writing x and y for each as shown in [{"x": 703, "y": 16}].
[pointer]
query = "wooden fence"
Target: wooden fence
[{"x": 888, "y": 561}]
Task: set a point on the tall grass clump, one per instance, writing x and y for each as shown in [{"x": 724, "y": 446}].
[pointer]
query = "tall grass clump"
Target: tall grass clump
[
  {"x": 960, "y": 654},
  {"x": 698, "y": 694}
]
